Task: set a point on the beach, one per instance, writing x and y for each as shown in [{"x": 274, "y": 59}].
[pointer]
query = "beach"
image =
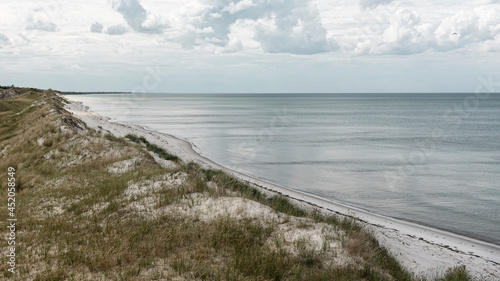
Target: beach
[{"x": 424, "y": 251}]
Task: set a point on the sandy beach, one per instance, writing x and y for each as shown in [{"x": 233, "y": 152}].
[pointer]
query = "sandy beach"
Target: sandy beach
[{"x": 424, "y": 251}]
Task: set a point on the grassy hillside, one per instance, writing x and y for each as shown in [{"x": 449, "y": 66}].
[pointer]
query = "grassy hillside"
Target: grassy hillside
[{"x": 91, "y": 206}]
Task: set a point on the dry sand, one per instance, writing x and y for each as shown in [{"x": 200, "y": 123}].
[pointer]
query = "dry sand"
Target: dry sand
[{"x": 425, "y": 251}]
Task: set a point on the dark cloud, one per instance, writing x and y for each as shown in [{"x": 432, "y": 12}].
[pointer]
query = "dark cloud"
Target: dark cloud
[{"x": 96, "y": 27}]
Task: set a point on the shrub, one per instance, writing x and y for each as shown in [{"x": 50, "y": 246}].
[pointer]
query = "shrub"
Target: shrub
[{"x": 162, "y": 153}]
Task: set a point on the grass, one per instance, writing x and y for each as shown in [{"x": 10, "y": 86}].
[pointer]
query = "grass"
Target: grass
[
  {"x": 458, "y": 273},
  {"x": 99, "y": 235},
  {"x": 153, "y": 148},
  {"x": 360, "y": 243}
]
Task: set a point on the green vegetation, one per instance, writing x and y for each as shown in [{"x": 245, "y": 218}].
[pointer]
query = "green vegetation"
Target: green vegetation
[
  {"x": 458, "y": 273},
  {"x": 98, "y": 207},
  {"x": 153, "y": 148}
]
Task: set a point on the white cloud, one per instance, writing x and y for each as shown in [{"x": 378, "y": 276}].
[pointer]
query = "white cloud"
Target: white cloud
[
  {"x": 408, "y": 34},
  {"x": 371, "y": 4},
  {"x": 116, "y": 30},
  {"x": 96, "y": 27},
  {"x": 241, "y": 38},
  {"x": 292, "y": 35},
  {"x": 137, "y": 17},
  {"x": 233, "y": 8},
  {"x": 40, "y": 16},
  {"x": 405, "y": 35},
  {"x": 292, "y": 26},
  {"x": 479, "y": 25},
  {"x": 232, "y": 47},
  {"x": 39, "y": 21},
  {"x": 75, "y": 67}
]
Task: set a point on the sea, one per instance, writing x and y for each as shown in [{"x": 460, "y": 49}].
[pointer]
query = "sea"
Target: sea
[{"x": 432, "y": 159}]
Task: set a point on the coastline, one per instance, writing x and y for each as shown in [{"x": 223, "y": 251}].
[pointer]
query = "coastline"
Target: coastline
[{"x": 423, "y": 250}]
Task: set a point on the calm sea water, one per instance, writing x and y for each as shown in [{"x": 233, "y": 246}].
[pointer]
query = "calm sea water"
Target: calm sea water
[{"x": 428, "y": 158}]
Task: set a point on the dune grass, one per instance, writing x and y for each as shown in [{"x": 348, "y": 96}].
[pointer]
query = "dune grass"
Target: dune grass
[{"x": 162, "y": 153}]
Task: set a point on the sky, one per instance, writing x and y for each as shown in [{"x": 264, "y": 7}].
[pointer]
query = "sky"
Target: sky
[{"x": 250, "y": 46}]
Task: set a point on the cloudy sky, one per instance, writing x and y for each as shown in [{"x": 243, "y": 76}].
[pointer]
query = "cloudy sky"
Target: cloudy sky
[{"x": 250, "y": 45}]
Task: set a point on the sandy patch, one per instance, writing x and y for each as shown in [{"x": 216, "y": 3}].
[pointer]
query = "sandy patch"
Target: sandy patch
[
  {"x": 125, "y": 166},
  {"x": 302, "y": 235},
  {"x": 206, "y": 208},
  {"x": 144, "y": 194},
  {"x": 147, "y": 187}
]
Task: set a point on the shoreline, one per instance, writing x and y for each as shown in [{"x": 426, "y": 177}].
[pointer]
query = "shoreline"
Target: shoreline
[{"x": 423, "y": 250}]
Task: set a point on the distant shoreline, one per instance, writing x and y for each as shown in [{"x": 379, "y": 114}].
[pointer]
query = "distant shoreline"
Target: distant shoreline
[
  {"x": 90, "y": 93},
  {"x": 265, "y": 93}
]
